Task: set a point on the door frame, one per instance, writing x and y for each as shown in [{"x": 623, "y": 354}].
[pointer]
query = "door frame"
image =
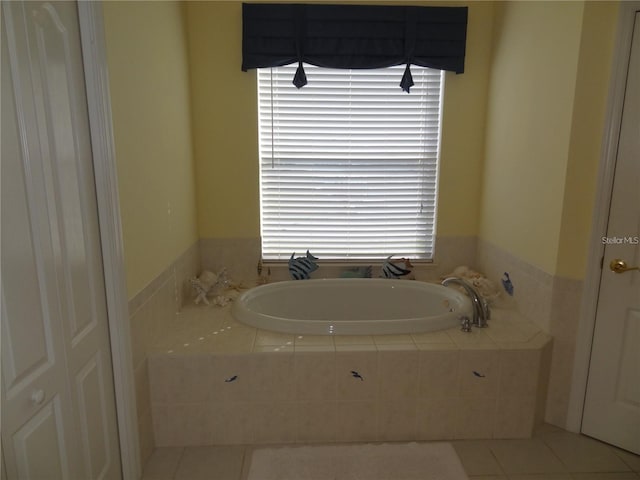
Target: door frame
[
  {"x": 609, "y": 150},
  {"x": 109, "y": 220}
]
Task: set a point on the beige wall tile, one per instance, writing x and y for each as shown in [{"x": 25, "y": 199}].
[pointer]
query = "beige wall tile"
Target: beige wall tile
[
  {"x": 436, "y": 418},
  {"x": 159, "y": 376},
  {"x": 451, "y": 252},
  {"x": 161, "y": 433},
  {"x": 223, "y": 387},
  {"x": 398, "y": 374},
  {"x": 397, "y": 419},
  {"x": 313, "y": 340},
  {"x": 470, "y": 339},
  {"x": 272, "y": 349},
  {"x": 518, "y": 372},
  {"x": 265, "y": 337},
  {"x": 356, "y": 348},
  {"x": 515, "y": 417},
  {"x": 189, "y": 424},
  {"x": 475, "y": 417},
  {"x": 164, "y": 307},
  {"x": 239, "y": 255},
  {"x": 143, "y": 388},
  {"x": 139, "y": 324},
  {"x": 316, "y": 422},
  {"x": 353, "y": 340},
  {"x": 432, "y": 337},
  {"x": 274, "y": 422},
  {"x": 478, "y": 372},
  {"x": 230, "y": 423},
  {"x": 393, "y": 339},
  {"x": 553, "y": 304},
  {"x": 315, "y": 376},
  {"x": 438, "y": 374},
  {"x": 180, "y": 425},
  {"x": 272, "y": 377},
  {"x": 532, "y": 286},
  {"x": 396, "y": 347},
  {"x": 187, "y": 267},
  {"x": 314, "y": 348},
  {"x": 350, "y": 387},
  {"x": 199, "y": 378},
  {"x": 356, "y": 421}
]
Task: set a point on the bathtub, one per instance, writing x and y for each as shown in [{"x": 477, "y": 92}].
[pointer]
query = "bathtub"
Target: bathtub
[{"x": 368, "y": 306}]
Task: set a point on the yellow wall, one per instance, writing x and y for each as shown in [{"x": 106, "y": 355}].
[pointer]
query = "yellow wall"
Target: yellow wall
[
  {"x": 548, "y": 86},
  {"x": 226, "y": 138},
  {"x": 521, "y": 129},
  {"x": 225, "y": 128},
  {"x": 594, "y": 70},
  {"x": 463, "y": 130},
  {"x": 149, "y": 82}
]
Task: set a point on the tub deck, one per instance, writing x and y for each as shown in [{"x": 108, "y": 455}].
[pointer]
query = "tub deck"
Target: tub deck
[
  {"x": 216, "y": 381},
  {"x": 210, "y": 329}
]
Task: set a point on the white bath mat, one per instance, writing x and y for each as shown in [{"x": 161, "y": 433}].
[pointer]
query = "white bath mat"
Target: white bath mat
[{"x": 405, "y": 461}]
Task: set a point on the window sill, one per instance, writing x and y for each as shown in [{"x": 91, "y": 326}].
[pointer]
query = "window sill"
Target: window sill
[{"x": 278, "y": 270}]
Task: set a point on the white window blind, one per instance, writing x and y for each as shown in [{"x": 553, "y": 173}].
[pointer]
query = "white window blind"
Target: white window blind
[{"x": 349, "y": 163}]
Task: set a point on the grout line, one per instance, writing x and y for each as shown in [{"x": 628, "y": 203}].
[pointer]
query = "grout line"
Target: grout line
[
  {"x": 544, "y": 442},
  {"x": 246, "y": 462},
  {"x": 178, "y": 463},
  {"x": 616, "y": 451},
  {"x": 502, "y": 470}
]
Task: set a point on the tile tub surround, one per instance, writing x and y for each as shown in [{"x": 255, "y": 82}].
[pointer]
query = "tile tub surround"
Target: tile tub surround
[
  {"x": 215, "y": 381},
  {"x": 152, "y": 310},
  {"x": 554, "y": 304}
]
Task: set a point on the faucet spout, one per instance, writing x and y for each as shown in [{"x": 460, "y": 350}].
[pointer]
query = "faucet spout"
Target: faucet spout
[{"x": 481, "y": 312}]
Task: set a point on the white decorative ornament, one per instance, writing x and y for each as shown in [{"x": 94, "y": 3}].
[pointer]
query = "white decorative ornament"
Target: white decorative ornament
[{"x": 203, "y": 285}]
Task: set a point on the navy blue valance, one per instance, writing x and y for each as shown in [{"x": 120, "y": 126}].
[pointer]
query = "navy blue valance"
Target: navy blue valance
[{"x": 353, "y": 36}]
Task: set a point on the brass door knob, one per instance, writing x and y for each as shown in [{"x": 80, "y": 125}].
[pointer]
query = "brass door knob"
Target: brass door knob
[{"x": 620, "y": 266}]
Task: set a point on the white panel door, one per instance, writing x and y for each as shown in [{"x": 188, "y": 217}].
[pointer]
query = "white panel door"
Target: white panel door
[
  {"x": 612, "y": 404},
  {"x": 58, "y": 407}
]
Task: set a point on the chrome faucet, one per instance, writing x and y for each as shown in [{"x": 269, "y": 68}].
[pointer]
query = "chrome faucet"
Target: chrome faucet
[{"x": 481, "y": 311}]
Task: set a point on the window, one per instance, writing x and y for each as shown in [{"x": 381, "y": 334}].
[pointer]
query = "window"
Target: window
[{"x": 349, "y": 163}]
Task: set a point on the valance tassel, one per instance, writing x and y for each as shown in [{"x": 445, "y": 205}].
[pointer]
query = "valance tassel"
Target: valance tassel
[
  {"x": 300, "y": 78},
  {"x": 407, "y": 79}
]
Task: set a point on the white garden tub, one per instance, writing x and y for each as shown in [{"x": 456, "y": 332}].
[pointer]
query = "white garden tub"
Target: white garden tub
[{"x": 367, "y": 306}]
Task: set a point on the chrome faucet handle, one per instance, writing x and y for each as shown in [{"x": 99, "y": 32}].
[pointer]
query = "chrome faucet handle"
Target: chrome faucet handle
[{"x": 466, "y": 324}]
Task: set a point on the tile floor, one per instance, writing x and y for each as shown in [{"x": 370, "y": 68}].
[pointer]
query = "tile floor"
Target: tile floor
[{"x": 552, "y": 454}]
